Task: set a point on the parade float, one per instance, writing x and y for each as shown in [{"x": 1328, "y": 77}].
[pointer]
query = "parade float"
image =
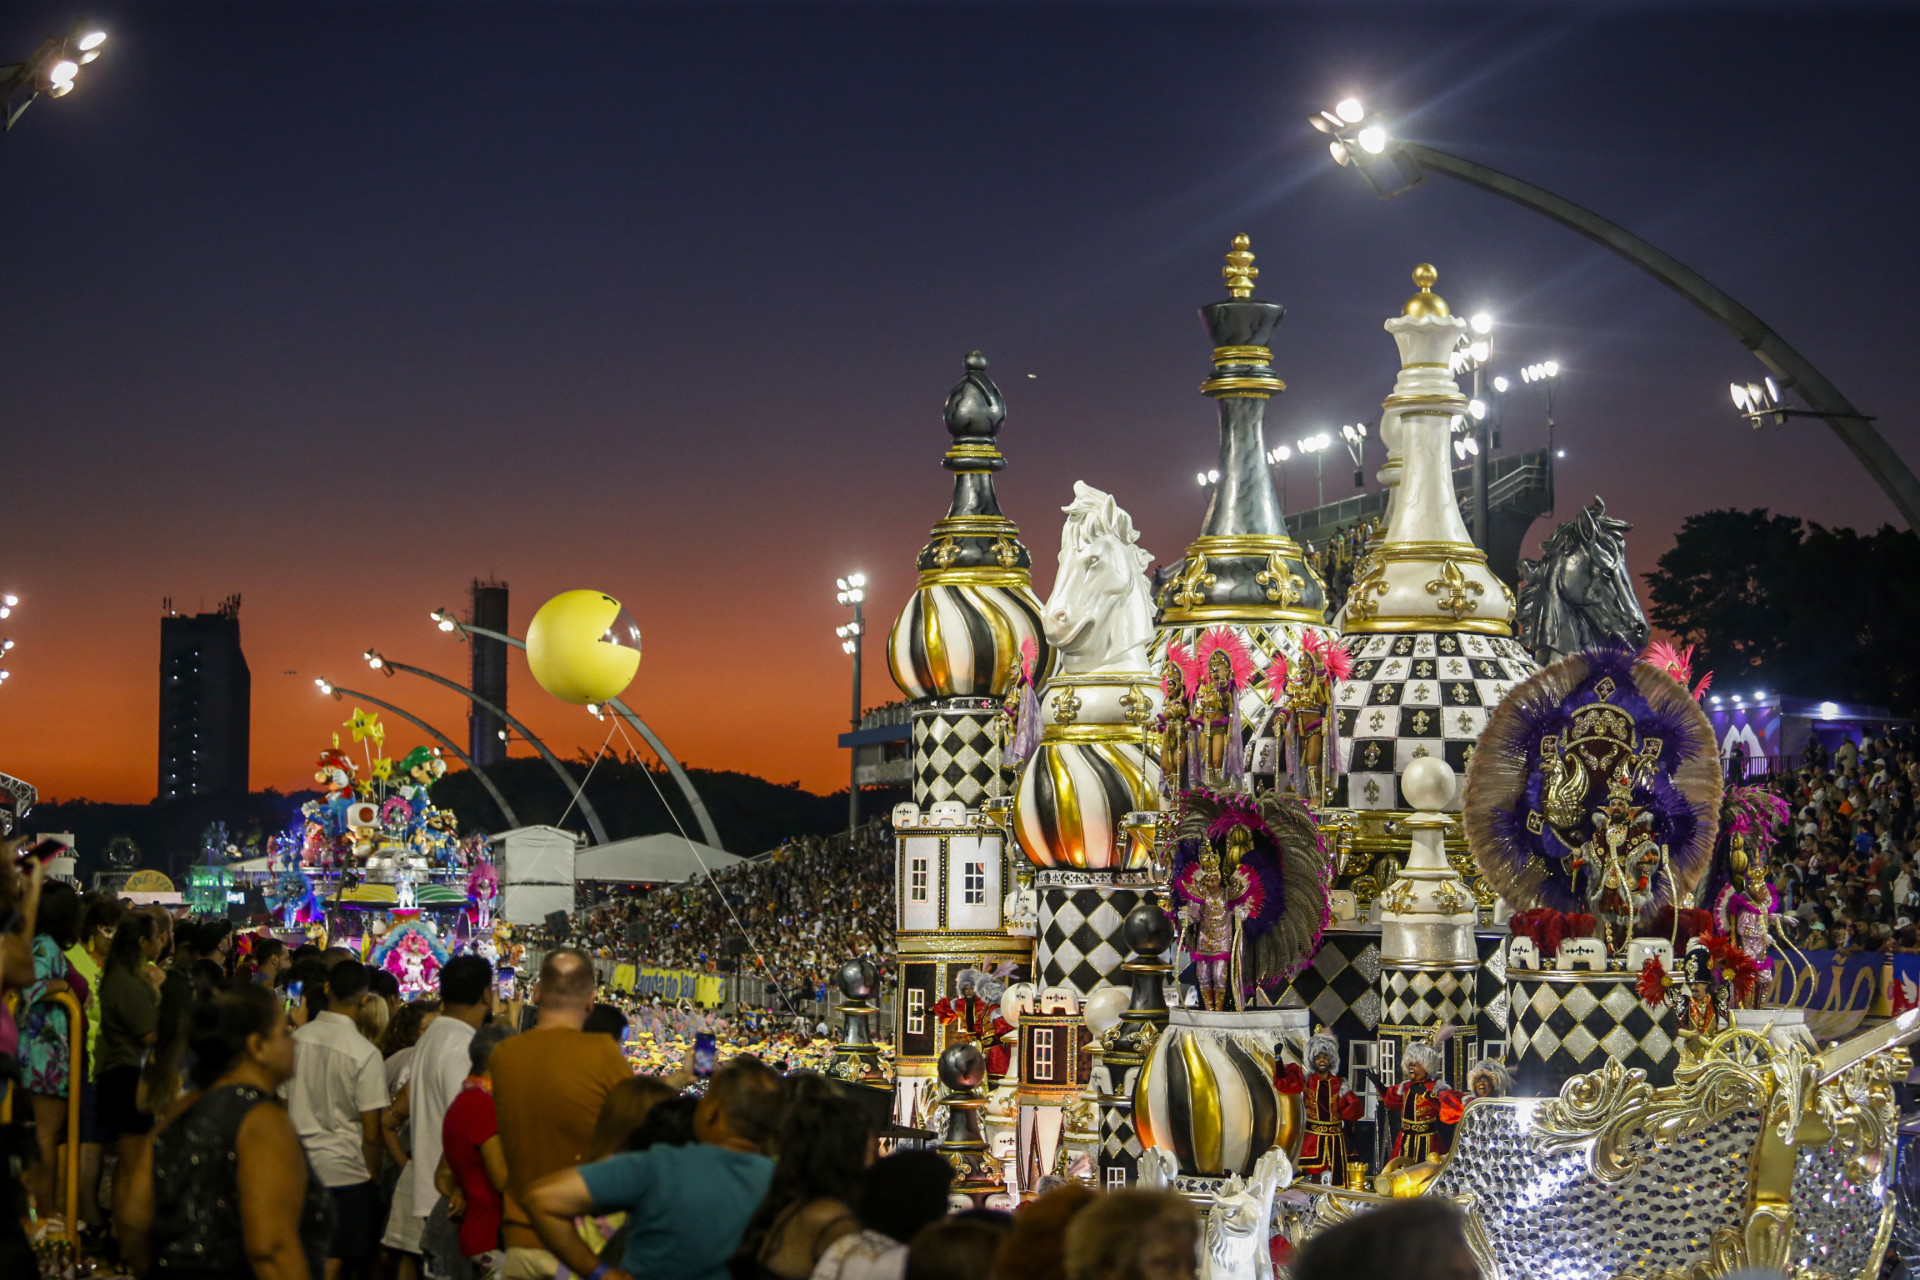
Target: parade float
[
  {"x": 374, "y": 865},
  {"x": 1295, "y": 914}
]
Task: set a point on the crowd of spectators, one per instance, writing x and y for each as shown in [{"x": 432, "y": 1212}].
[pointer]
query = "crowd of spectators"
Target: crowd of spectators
[
  {"x": 1335, "y": 559},
  {"x": 1847, "y": 868},
  {"x": 798, "y": 914}
]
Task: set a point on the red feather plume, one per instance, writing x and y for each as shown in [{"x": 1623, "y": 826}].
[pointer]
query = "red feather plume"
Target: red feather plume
[
  {"x": 1736, "y": 965},
  {"x": 1652, "y": 985}
]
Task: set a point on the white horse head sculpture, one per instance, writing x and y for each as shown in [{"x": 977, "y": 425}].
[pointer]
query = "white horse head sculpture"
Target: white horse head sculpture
[{"x": 1100, "y": 615}]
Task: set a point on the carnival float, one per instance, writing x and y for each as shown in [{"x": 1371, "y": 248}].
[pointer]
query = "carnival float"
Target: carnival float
[
  {"x": 375, "y": 866},
  {"x": 1440, "y": 895}
]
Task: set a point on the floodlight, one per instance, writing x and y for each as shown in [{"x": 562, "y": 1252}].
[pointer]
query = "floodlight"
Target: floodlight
[
  {"x": 1500, "y": 385},
  {"x": 1348, "y": 109},
  {"x": 1373, "y": 139},
  {"x": 90, "y": 41},
  {"x": 1482, "y": 323}
]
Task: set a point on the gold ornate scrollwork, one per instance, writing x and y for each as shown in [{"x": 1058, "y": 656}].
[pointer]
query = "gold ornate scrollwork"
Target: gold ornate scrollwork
[
  {"x": 1282, "y": 584},
  {"x": 1454, "y": 592},
  {"x": 1190, "y": 592}
]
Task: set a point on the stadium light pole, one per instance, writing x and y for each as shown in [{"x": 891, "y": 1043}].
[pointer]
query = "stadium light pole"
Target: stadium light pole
[
  {"x": 333, "y": 690},
  {"x": 379, "y": 662},
  {"x": 51, "y": 70},
  {"x": 1390, "y": 165},
  {"x": 853, "y": 591},
  {"x": 1317, "y": 446},
  {"x": 447, "y": 622}
]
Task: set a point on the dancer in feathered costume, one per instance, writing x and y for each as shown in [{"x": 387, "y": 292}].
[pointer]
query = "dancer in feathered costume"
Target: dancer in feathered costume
[
  {"x": 1282, "y": 899},
  {"x": 1595, "y": 787},
  {"x": 1677, "y": 663},
  {"x": 1021, "y": 711},
  {"x": 1421, "y": 1103},
  {"x": 1303, "y": 705},
  {"x": 1226, "y": 668},
  {"x": 1178, "y": 684},
  {"x": 1745, "y": 907}
]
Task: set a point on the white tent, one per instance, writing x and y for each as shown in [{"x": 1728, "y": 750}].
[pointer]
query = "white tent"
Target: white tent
[{"x": 660, "y": 859}]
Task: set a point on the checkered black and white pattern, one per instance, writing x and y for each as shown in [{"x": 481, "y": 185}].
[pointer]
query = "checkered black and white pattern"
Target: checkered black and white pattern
[
  {"x": 1490, "y": 991},
  {"x": 1080, "y": 943},
  {"x": 1563, "y": 1026},
  {"x": 955, "y": 752},
  {"x": 1119, "y": 1143},
  {"x": 1341, "y": 987},
  {"x": 1427, "y": 997},
  {"x": 1417, "y": 694}
]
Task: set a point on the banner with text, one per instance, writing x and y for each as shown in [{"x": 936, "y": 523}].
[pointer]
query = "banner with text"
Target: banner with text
[{"x": 669, "y": 984}]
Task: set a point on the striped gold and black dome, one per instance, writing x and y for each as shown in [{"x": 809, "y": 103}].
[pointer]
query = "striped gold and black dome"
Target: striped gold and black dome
[{"x": 962, "y": 631}]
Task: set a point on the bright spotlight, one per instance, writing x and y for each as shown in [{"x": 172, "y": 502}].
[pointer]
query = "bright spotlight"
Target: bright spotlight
[
  {"x": 1482, "y": 323},
  {"x": 1373, "y": 139},
  {"x": 1500, "y": 385},
  {"x": 857, "y": 580},
  {"x": 1478, "y": 408},
  {"x": 1213, "y": 477},
  {"x": 1552, "y": 368},
  {"x": 90, "y": 41},
  {"x": 1201, "y": 476},
  {"x": 63, "y": 71},
  {"x": 1348, "y": 109},
  {"x": 1338, "y": 150}
]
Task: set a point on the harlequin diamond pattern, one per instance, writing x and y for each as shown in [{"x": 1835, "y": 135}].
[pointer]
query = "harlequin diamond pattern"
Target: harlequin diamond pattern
[
  {"x": 1080, "y": 943},
  {"x": 1119, "y": 1143},
  {"x": 954, "y": 755},
  {"x": 1428, "y": 998},
  {"x": 1413, "y": 695},
  {"x": 1341, "y": 985},
  {"x": 1560, "y": 1029}
]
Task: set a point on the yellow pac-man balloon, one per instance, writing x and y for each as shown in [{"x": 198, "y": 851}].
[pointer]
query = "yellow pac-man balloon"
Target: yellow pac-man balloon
[{"x": 583, "y": 647}]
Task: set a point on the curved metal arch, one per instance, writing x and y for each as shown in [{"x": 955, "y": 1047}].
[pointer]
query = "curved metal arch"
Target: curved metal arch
[
  {"x": 579, "y": 793},
  {"x": 1895, "y": 478},
  {"x": 692, "y": 796},
  {"x": 506, "y": 810}
]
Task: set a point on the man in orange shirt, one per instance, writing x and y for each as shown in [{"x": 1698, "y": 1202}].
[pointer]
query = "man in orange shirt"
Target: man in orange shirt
[{"x": 548, "y": 1085}]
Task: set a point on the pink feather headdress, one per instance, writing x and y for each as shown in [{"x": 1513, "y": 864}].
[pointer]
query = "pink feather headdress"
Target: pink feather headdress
[
  {"x": 1238, "y": 811},
  {"x": 1220, "y": 640},
  {"x": 1277, "y": 675},
  {"x": 1332, "y": 654},
  {"x": 1180, "y": 660},
  {"x": 1029, "y": 654},
  {"x": 1677, "y": 663}
]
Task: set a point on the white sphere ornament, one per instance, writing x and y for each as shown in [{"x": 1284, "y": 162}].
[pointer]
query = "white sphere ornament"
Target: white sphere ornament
[
  {"x": 1103, "y": 1008},
  {"x": 1428, "y": 784}
]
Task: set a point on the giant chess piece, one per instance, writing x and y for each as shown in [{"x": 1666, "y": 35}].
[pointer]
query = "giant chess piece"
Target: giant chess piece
[
  {"x": 1429, "y": 961},
  {"x": 963, "y": 1069},
  {"x": 1149, "y": 932},
  {"x": 856, "y": 1058}
]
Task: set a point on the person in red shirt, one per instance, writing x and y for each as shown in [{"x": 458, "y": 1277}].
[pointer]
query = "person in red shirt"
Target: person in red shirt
[
  {"x": 1330, "y": 1106},
  {"x": 473, "y": 1168},
  {"x": 1422, "y": 1103}
]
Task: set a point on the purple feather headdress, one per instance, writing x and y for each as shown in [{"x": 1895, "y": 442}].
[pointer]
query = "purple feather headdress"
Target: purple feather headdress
[{"x": 1678, "y": 788}]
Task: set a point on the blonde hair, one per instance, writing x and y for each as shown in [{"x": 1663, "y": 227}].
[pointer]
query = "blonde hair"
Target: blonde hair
[
  {"x": 372, "y": 1019},
  {"x": 1106, "y": 1239}
]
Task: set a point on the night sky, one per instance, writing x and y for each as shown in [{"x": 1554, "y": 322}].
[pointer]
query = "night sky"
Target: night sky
[{"x": 339, "y": 306}]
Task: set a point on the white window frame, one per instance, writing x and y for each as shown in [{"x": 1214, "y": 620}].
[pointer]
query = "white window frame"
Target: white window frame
[
  {"x": 917, "y": 868},
  {"x": 973, "y": 883},
  {"x": 916, "y": 1011},
  {"x": 1043, "y": 1054},
  {"x": 1117, "y": 1178}
]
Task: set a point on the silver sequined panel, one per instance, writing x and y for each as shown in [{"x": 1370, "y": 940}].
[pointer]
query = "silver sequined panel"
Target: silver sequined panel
[
  {"x": 1834, "y": 1217},
  {"x": 1547, "y": 1217}
]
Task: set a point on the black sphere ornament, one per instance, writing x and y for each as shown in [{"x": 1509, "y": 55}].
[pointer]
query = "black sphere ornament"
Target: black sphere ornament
[
  {"x": 1148, "y": 930},
  {"x": 857, "y": 979},
  {"x": 963, "y": 1066}
]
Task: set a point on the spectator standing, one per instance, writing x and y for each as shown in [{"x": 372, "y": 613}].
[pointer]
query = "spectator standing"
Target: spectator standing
[
  {"x": 338, "y": 1092},
  {"x": 44, "y": 1047},
  {"x": 19, "y": 903},
  {"x": 100, "y": 915},
  {"x": 224, "y": 1190},
  {"x": 548, "y": 1088},
  {"x": 440, "y": 1066},
  {"x": 1141, "y": 1235},
  {"x": 270, "y": 960},
  {"x": 824, "y": 1145},
  {"x": 129, "y": 1027},
  {"x": 687, "y": 1206},
  {"x": 1418, "y": 1239},
  {"x": 403, "y": 1231},
  {"x": 473, "y": 1170}
]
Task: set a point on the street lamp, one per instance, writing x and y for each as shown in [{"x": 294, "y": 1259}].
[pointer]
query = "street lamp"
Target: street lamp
[
  {"x": 1355, "y": 434},
  {"x": 853, "y": 591},
  {"x": 51, "y": 70},
  {"x": 1317, "y": 446},
  {"x": 1758, "y": 401},
  {"x": 1391, "y": 165}
]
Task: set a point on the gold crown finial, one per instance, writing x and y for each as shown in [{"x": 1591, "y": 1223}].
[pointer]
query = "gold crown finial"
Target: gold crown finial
[
  {"x": 1426, "y": 302},
  {"x": 1240, "y": 272}
]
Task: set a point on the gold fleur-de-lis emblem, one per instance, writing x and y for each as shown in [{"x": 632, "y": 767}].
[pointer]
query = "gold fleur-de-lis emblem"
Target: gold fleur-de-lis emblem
[
  {"x": 1006, "y": 551},
  {"x": 1421, "y": 693},
  {"x": 1191, "y": 591},
  {"x": 1423, "y": 669},
  {"x": 1377, "y": 721},
  {"x": 1420, "y": 722},
  {"x": 1466, "y": 725},
  {"x": 1371, "y": 791},
  {"x": 1386, "y": 693},
  {"x": 1403, "y": 646},
  {"x": 1449, "y": 645},
  {"x": 1346, "y": 694},
  {"x": 945, "y": 552},
  {"x": 1369, "y": 585},
  {"x": 1460, "y": 694},
  {"x": 1282, "y": 584},
  {"x": 1135, "y": 705},
  {"x": 1454, "y": 592},
  {"x": 1066, "y": 706},
  {"x": 1455, "y": 667},
  {"x": 1372, "y": 754}
]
